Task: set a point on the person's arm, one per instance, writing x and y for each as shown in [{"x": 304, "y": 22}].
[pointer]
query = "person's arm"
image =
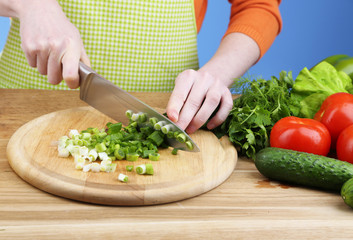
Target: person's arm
[
  {"x": 254, "y": 24},
  {"x": 49, "y": 40}
]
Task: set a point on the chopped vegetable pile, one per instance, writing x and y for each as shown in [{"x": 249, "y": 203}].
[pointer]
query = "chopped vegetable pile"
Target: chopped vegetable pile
[{"x": 141, "y": 138}]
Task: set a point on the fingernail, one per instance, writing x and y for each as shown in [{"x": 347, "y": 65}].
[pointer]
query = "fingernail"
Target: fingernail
[{"x": 174, "y": 117}]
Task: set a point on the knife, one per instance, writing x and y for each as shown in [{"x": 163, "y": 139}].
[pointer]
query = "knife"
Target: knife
[{"x": 113, "y": 101}]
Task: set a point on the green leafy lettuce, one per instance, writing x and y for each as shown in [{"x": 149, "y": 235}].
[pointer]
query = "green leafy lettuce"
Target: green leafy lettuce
[{"x": 313, "y": 86}]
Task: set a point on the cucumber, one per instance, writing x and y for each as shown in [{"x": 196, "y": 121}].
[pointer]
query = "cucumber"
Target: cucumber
[
  {"x": 303, "y": 168},
  {"x": 347, "y": 192}
]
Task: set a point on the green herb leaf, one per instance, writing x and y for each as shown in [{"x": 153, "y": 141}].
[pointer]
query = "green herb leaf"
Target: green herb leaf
[{"x": 261, "y": 104}]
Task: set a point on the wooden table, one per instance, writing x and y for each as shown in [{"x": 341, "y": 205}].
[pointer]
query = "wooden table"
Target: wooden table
[{"x": 246, "y": 206}]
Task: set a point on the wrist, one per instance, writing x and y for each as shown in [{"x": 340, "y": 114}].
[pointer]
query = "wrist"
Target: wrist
[
  {"x": 235, "y": 55},
  {"x": 218, "y": 70}
]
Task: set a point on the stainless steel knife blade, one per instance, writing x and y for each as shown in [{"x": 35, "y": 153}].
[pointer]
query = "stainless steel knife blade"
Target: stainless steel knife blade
[{"x": 114, "y": 102}]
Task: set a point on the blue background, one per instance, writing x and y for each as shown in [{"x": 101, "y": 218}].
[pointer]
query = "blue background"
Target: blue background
[{"x": 312, "y": 30}]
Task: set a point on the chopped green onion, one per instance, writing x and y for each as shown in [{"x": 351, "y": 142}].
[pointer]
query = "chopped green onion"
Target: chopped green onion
[
  {"x": 78, "y": 142},
  {"x": 102, "y": 134},
  {"x": 100, "y": 147},
  {"x": 142, "y": 117},
  {"x": 106, "y": 162},
  {"x": 141, "y": 169},
  {"x": 114, "y": 128},
  {"x": 129, "y": 168},
  {"x": 134, "y": 117},
  {"x": 73, "y": 149},
  {"x": 132, "y": 157},
  {"x": 167, "y": 128},
  {"x": 181, "y": 137},
  {"x": 80, "y": 160},
  {"x": 153, "y": 120},
  {"x": 93, "y": 130},
  {"x": 93, "y": 155},
  {"x": 170, "y": 134},
  {"x": 108, "y": 167},
  {"x": 64, "y": 152},
  {"x": 176, "y": 133},
  {"x": 145, "y": 169},
  {"x": 119, "y": 154},
  {"x": 189, "y": 145},
  {"x": 116, "y": 142},
  {"x": 79, "y": 166},
  {"x": 86, "y": 168},
  {"x": 157, "y": 137},
  {"x": 175, "y": 151},
  {"x": 154, "y": 156},
  {"x": 103, "y": 168},
  {"x": 85, "y": 136},
  {"x": 73, "y": 132},
  {"x": 102, "y": 155},
  {"x": 147, "y": 152},
  {"x": 123, "y": 178},
  {"x": 139, "y": 117},
  {"x": 95, "y": 167},
  {"x": 159, "y": 125},
  {"x": 85, "y": 143},
  {"x": 129, "y": 113}
]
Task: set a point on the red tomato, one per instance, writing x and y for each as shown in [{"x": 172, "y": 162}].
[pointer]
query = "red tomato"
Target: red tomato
[
  {"x": 344, "y": 147},
  {"x": 301, "y": 134},
  {"x": 336, "y": 113}
]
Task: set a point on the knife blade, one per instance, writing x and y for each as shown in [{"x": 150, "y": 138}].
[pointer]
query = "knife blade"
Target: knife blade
[{"x": 113, "y": 101}]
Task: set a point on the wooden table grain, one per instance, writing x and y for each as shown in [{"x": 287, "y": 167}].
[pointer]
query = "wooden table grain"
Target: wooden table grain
[{"x": 246, "y": 206}]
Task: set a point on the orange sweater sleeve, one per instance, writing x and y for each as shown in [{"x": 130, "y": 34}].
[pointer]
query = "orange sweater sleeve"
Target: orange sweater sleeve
[{"x": 258, "y": 19}]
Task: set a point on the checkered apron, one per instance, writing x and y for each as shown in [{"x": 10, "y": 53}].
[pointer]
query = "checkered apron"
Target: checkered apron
[{"x": 140, "y": 45}]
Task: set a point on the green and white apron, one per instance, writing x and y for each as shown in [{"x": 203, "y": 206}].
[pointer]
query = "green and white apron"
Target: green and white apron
[{"x": 140, "y": 45}]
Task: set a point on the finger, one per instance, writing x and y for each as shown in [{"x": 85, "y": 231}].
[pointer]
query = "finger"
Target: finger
[
  {"x": 70, "y": 67},
  {"x": 183, "y": 85},
  {"x": 30, "y": 54},
  {"x": 84, "y": 58},
  {"x": 42, "y": 54},
  {"x": 195, "y": 99},
  {"x": 223, "y": 112},
  {"x": 31, "y": 59},
  {"x": 42, "y": 62},
  {"x": 54, "y": 69},
  {"x": 212, "y": 100}
]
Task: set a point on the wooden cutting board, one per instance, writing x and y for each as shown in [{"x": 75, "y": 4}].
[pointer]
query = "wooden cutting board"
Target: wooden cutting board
[{"x": 34, "y": 157}]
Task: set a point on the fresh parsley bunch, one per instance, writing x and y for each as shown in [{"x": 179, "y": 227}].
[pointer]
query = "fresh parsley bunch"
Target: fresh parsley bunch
[{"x": 261, "y": 104}]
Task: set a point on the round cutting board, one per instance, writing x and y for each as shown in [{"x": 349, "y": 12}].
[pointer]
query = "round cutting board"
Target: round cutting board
[{"x": 34, "y": 157}]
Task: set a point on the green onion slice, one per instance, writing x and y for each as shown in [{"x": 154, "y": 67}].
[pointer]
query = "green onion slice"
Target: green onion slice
[{"x": 153, "y": 156}]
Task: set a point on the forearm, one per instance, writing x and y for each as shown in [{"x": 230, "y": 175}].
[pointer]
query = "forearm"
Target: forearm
[
  {"x": 14, "y": 8},
  {"x": 236, "y": 54}
]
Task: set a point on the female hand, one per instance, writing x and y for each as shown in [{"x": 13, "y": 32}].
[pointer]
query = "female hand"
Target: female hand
[
  {"x": 198, "y": 93},
  {"x": 51, "y": 42},
  {"x": 195, "y": 97}
]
